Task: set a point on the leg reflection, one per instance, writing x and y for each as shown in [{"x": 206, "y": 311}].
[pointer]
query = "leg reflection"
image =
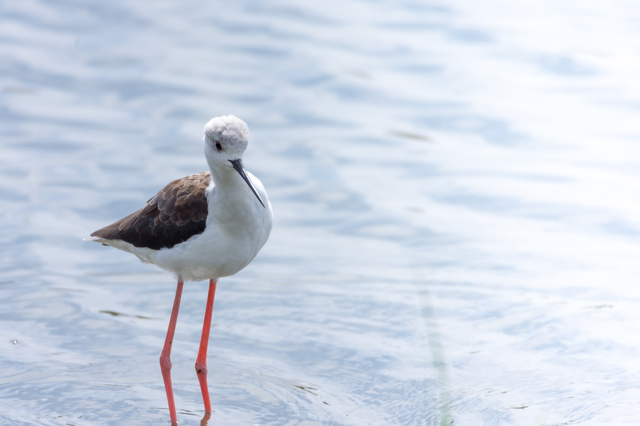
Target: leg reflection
[{"x": 205, "y": 419}]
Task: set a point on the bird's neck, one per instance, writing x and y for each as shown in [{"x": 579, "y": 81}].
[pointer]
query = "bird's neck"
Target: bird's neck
[
  {"x": 231, "y": 204},
  {"x": 226, "y": 179}
]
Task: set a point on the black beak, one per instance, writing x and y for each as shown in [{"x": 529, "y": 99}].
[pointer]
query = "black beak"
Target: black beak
[{"x": 237, "y": 164}]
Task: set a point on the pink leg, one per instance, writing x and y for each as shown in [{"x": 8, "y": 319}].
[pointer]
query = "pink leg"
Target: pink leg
[
  {"x": 201, "y": 361},
  {"x": 165, "y": 357}
]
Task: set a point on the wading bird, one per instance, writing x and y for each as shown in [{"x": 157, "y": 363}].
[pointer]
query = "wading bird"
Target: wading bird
[{"x": 201, "y": 227}]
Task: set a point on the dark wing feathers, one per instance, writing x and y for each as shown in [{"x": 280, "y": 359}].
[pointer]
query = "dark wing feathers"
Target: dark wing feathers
[{"x": 172, "y": 216}]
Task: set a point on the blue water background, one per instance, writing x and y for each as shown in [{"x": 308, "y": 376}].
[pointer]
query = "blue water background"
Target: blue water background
[{"x": 455, "y": 186}]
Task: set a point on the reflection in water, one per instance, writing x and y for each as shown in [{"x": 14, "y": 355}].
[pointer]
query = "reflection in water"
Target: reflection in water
[
  {"x": 435, "y": 345},
  {"x": 519, "y": 209},
  {"x": 409, "y": 135},
  {"x": 120, "y": 314}
]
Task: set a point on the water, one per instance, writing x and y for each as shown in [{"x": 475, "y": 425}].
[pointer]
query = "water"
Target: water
[{"x": 454, "y": 185}]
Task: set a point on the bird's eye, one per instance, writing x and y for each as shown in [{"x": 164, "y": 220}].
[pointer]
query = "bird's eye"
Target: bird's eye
[{"x": 218, "y": 146}]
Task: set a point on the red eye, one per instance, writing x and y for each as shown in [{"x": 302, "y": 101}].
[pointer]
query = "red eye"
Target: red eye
[{"x": 218, "y": 146}]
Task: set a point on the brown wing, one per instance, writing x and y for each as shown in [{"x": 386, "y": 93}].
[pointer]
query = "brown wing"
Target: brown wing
[{"x": 172, "y": 216}]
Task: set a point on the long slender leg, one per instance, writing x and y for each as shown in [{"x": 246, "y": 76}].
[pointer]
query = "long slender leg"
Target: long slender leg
[
  {"x": 165, "y": 357},
  {"x": 201, "y": 361}
]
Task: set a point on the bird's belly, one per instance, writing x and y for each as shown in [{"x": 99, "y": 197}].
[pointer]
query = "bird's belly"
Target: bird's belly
[{"x": 210, "y": 255}]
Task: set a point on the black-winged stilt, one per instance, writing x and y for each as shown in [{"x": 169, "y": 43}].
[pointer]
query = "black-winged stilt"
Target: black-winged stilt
[{"x": 201, "y": 227}]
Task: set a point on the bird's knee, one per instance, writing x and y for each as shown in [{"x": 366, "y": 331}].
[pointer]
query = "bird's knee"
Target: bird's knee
[
  {"x": 201, "y": 368},
  {"x": 165, "y": 363}
]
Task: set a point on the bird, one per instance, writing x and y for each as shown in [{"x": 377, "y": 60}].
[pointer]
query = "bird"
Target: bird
[{"x": 205, "y": 226}]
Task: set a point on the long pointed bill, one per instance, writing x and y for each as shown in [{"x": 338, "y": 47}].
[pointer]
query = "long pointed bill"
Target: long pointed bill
[{"x": 237, "y": 164}]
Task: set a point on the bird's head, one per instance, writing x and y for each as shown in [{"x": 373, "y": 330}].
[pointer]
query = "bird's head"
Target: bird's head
[{"x": 225, "y": 140}]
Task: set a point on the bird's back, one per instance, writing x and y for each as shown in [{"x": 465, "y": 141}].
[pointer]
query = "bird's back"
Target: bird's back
[{"x": 175, "y": 214}]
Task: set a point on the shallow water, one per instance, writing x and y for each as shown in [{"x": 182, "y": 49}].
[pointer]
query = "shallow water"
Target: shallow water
[{"x": 454, "y": 186}]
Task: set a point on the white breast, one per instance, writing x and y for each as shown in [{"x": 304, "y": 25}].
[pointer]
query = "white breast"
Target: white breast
[{"x": 237, "y": 228}]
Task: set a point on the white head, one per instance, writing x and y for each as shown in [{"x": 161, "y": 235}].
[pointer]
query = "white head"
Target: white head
[
  {"x": 225, "y": 140},
  {"x": 227, "y": 137}
]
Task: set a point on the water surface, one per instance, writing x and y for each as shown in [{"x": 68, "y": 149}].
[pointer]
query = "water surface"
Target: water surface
[{"x": 454, "y": 186}]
